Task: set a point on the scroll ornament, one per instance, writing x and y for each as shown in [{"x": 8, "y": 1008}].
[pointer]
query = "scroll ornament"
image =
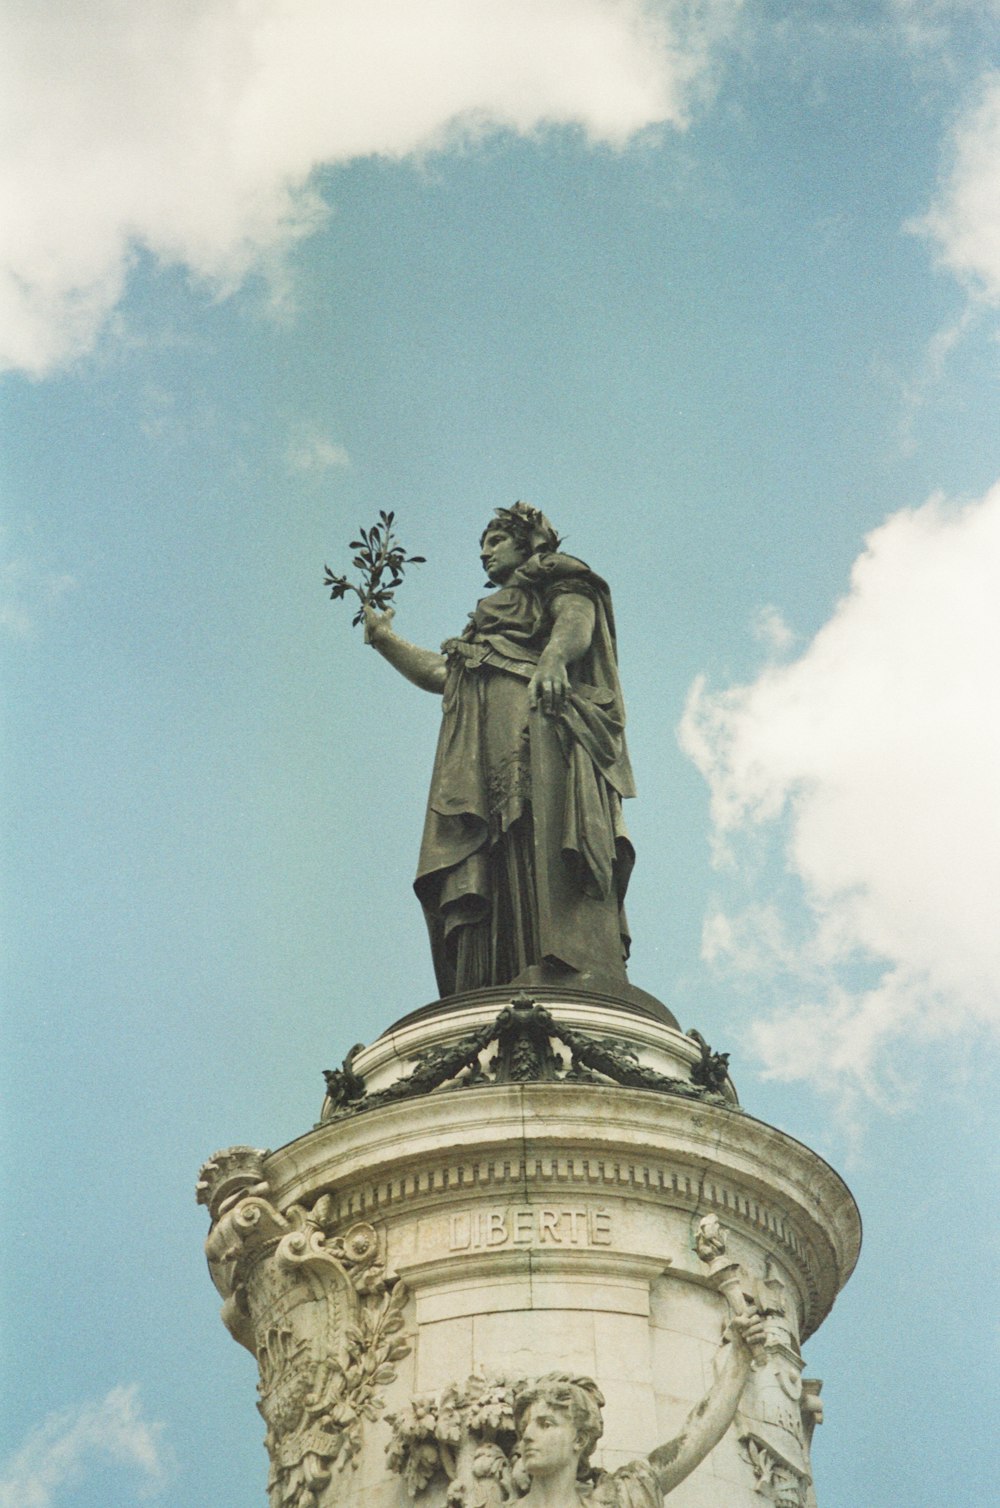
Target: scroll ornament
[{"x": 324, "y": 1320}]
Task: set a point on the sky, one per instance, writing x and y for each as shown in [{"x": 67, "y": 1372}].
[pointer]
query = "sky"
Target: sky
[{"x": 715, "y": 285}]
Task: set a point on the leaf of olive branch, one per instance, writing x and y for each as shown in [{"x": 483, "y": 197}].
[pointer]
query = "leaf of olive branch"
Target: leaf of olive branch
[{"x": 381, "y": 560}]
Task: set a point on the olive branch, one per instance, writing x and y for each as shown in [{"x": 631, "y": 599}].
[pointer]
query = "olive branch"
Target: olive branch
[{"x": 381, "y": 560}]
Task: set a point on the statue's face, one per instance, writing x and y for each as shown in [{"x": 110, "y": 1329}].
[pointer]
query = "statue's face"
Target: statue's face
[
  {"x": 501, "y": 554},
  {"x": 549, "y": 1440}
]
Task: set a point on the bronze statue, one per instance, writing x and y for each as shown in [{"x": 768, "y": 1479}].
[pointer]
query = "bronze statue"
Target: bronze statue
[{"x": 525, "y": 859}]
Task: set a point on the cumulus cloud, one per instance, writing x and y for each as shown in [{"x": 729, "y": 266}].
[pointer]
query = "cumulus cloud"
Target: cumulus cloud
[
  {"x": 874, "y": 758},
  {"x": 964, "y": 221},
  {"x": 55, "y": 1455},
  {"x": 191, "y": 129}
]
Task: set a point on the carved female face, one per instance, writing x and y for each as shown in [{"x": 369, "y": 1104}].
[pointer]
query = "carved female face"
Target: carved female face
[
  {"x": 550, "y": 1441},
  {"x": 501, "y": 554}
]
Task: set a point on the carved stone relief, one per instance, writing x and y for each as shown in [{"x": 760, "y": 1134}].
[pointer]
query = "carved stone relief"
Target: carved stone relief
[
  {"x": 319, "y": 1312},
  {"x": 469, "y": 1433},
  {"x": 779, "y": 1408},
  {"x": 525, "y": 1044},
  {"x": 475, "y": 1437},
  {"x": 486, "y": 1436},
  {"x": 465, "y": 1433},
  {"x": 774, "y": 1479}
]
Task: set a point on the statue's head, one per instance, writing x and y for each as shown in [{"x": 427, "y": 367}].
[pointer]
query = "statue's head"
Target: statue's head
[
  {"x": 528, "y": 531},
  {"x": 558, "y": 1418}
]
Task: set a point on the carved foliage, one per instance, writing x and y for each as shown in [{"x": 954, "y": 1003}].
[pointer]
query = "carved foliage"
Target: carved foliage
[
  {"x": 774, "y": 1479},
  {"x": 326, "y": 1325},
  {"x": 523, "y": 1035},
  {"x": 466, "y": 1433},
  {"x": 712, "y": 1068}
]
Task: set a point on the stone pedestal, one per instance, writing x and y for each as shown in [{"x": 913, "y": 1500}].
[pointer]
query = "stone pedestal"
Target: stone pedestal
[{"x": 501, "y": 1191}]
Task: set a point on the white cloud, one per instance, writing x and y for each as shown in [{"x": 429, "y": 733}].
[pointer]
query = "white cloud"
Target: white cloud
[
  {"x": 874, "y": 757},
  {"x": 310, "y": 450},
  {"x": 191, "y": 128},
  {"x": 771, "y": 630},
  {"x": 54, "y": 1456},
  {"x": 27, "y": 591},
  {"x": 964, "y": 220},
  {"x": 922, "y": 383}
]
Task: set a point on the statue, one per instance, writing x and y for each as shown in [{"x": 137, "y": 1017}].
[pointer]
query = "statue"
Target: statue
[
  {"x": 502, "y": 1442},
  {"x": 559, "y": 1423},
  {"x": 525, "y": 859}
]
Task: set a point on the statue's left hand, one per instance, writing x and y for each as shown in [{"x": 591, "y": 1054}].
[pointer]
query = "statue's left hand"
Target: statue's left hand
[{"x": 549, "y": 686}]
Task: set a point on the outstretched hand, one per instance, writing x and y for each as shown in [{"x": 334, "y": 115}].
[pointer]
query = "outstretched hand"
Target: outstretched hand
[{"x": 377, "y": 624}]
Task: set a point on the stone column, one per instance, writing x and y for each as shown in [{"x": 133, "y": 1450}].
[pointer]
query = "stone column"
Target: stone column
[{"x": 499, "y": 1192}]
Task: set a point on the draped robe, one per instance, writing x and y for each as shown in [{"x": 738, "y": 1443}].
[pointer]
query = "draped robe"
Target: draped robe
[{"x": 525, "y": 859}]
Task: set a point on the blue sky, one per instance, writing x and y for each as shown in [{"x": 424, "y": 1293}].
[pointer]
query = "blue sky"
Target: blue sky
[{"x": 714, "y": 285}]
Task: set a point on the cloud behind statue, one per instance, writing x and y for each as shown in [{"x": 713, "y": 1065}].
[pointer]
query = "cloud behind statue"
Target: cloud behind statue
[{"x": 872, "y": 760}]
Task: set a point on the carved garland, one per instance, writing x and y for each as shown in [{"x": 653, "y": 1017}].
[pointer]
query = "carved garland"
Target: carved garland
[{"x": 523, "y": 1034}]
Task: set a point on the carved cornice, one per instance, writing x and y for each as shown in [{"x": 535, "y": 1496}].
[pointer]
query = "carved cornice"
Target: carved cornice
[
  {"x": 539, "y": 1138},
  {"x": 582, "y": 1174},
  {"x": 514, "y": 1178}
]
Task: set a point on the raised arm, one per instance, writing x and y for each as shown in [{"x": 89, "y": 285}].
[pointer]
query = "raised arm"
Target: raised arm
[
  {"x": 421, "y": 666},
  {"x": 706, "y": 1424},
  {"x": 574, "y": 617}
]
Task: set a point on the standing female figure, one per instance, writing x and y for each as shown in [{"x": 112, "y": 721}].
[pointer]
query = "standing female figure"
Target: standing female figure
[{"x": 525, "y": 859}]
